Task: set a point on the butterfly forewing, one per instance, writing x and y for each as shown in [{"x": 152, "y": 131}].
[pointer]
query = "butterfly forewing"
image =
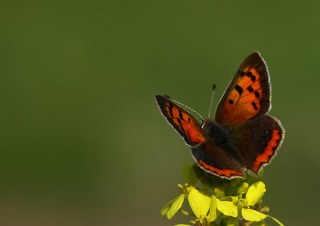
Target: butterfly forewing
[
  {"x": 248, "y": 94},
  {"x": 183, "y": 122}
]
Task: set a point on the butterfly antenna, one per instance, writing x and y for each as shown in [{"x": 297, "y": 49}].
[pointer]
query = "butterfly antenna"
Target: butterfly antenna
[
  {"x": 212, "y": 94},
  {"x": 187, "y": 107}
]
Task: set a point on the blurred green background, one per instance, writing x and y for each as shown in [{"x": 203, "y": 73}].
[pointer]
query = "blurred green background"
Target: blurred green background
[{"x": 82, "y": 141}]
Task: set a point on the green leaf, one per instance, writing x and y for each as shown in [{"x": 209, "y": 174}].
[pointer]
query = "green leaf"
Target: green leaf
[
  {"x": 227, "y": 208},
  {"x": 252, "y": 215},
  {"x": 171, "y": 208},
  {"x": 255, "y": 193},
  {"x": 213, "y": 209},
  {"x": 199, "y": 203},
  {"x": 182, "y": 225}
]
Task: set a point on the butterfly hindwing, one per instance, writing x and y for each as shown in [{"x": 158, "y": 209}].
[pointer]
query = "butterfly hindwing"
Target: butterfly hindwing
[
  {"x": 258, "y": 141},
  {"x": 216, "y": 160},
  {"x": 183, "y": 122},
  {"x": 248, "y": 94}
]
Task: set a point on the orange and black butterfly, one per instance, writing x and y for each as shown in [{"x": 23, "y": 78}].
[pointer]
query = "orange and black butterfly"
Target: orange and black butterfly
[{"x": 242, "y": 136}]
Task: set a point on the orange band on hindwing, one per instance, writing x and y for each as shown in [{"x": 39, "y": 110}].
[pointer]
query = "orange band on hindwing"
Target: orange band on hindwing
[{"x": 269, "y": 151}]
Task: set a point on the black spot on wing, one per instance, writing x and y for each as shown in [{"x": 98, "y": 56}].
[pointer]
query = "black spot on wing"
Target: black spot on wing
[
  {"x": 254, "y": 105},
  {"x": 250, "y": 89},
  {"x": 180, "y": 125},
  {"x": 238, "y": 89},
  {"x": 180, "y": 114},
  {"x": 251, "y": 76},
  {"x": 170, "y": 110}
]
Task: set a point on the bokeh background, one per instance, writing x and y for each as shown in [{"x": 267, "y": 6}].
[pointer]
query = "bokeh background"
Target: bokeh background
[{"x": 82, "y": 141}]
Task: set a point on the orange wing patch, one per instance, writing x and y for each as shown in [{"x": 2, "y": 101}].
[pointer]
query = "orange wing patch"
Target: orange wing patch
[
  {"x": 269, "y": 151},
  {"x": 183, "y": 122},
  {"x": 225, "y": 173},
  {"x": 248, "y": 95}
]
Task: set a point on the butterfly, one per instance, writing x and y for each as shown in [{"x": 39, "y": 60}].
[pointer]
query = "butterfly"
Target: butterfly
[{"x": 243, "y": 137}]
